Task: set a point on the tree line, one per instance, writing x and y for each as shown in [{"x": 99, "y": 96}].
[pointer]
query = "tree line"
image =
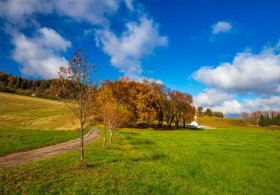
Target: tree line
[
  {"x": 209, "y": 112},
  {"x": 40, "y": 88},
  {"x": 266, "y": 118},
  {"x": 145, "y": 101},
  {"x": 121, "y": 102}
]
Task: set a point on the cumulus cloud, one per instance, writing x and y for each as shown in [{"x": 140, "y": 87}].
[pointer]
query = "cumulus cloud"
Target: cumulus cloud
[
  {"x": 39, "y": 55},
  {"x": 17, "y": 10},
  {"x": 92, "y": 11},
  {"x": 229, "y": 108},
  {"x": 258, "y": 73},
  {"x": 218, "y": 101},
  {"x": 227, "y": 103},
  {"x": 210, "y": 97},
  {"x": 221, "y": 27},
  {"x": 127, "y": 50},
  {"x": 262, "y": 104}
]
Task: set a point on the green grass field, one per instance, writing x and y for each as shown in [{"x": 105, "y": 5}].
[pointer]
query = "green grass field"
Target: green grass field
[
  {"x": 27, "y": 122},
  {"x": 231, "y": 159},
  {"x": 220, "y": 161}
]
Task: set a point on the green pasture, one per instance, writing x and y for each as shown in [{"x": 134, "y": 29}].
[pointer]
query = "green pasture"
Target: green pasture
[
  {"x": 221, "y": 161},
  {"x": 231, "y": 159}
]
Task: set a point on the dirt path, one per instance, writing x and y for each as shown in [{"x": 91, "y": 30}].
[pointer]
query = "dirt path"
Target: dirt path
[{"x": 23, "y": 157}]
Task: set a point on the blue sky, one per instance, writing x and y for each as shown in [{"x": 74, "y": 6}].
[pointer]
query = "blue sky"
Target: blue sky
[{"x": 225, "y": 53}]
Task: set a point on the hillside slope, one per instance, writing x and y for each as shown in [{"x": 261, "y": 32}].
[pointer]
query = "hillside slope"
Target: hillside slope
[
  {"x": 219, "y": 122},
  {"x": 29, "y": 122},
  {"x": 34, "y": 113}
]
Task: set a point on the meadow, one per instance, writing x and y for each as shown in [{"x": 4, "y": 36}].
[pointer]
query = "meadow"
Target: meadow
[
  {"x": 220, "y": 161},
  {"x": 28, "y": 122},
  {"x": 231, "y": 159}
]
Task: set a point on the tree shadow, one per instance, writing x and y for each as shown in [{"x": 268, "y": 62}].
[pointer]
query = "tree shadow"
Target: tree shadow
[
  {"x": 143, "y": 143},
  {"x": 155, "y": 127},
  {"x": 153, "y": 157},
  {"x": 100, "y": 164}
]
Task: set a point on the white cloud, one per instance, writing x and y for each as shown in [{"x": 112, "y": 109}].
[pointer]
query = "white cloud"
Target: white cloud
[
  {"x": 218, "y": 101},
  {"x": 92, "y": 11},
  {"x": 227, "y": 103},
  {"x": 49, "y": 38},
  {"x": 221, "y": 27},
  {"x": 129, "y": 4},
  {"x": 229, "y": 108},
  {"x": 127, "y": 50},
  {"x": 17, "y": 10},
  {"x": 262, "y": 104},
  {"x": 39, "y": 55},
  {"x": 258, "y": 73},
  {"x": 210, "y": 97}
]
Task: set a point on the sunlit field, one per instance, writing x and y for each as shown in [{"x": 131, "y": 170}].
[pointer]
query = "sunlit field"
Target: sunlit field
[
  {"x": 34, "y": 113},
  {"x": 226, "y": 160},
  {"x": 28, "y": 122},
  {"x": 229, "y": 159}
]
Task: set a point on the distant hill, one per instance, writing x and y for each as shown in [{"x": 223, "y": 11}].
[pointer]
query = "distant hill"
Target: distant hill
[
  {"x": 228, "y": 123},
  {"x": 219, "y": 122},
  {"x": 39, "y": 88},
  {"x": 34, "y": 113}
]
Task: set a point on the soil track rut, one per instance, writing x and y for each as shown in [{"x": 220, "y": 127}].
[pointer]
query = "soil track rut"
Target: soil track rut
[{"x": 23, "y": 157}]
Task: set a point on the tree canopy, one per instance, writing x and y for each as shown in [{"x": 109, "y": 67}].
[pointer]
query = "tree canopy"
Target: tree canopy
[{"x": 149, "y": 101}]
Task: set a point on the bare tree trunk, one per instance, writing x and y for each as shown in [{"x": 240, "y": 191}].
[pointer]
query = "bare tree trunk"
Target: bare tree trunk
[
  {"x": 111, "y": 136},
  {"x": 160, "y": 119},
  {"x": 184, "y": 122},
  {"x": 82, "y": 125},
  {"x": 160, "y": 123},
  {"x": 171, "y": 121},
  {"x": 82, "y": 142},
  {"x": 177, "y": 123},
  {"x": 104, "y": 141}
]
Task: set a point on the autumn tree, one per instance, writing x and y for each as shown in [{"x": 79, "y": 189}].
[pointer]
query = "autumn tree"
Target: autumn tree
[
  {"x": 218, "y": 114},
  {"x": 185, "y": 108},
  {"x": 11, "y": 81},
  {"x": 76, "y": 91},
  {"x": 178, "y": 107},
  {"x": 113, "y": 113},
  {"x": 160, "y": 100},
  {"x": 149, "y": 101},
  {"x": 188, "y": 114},
  {"x": 137, "y": 97}
]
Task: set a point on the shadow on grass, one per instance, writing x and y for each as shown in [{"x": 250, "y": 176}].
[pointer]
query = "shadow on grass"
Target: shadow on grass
[
  {"x": 101, "y": 163},
  {"x": 162, "y": 128},
  {"x": 128, "y": 133},
  {"x": 153, "y": 157},
  {"x": 143, "y": 143}
]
